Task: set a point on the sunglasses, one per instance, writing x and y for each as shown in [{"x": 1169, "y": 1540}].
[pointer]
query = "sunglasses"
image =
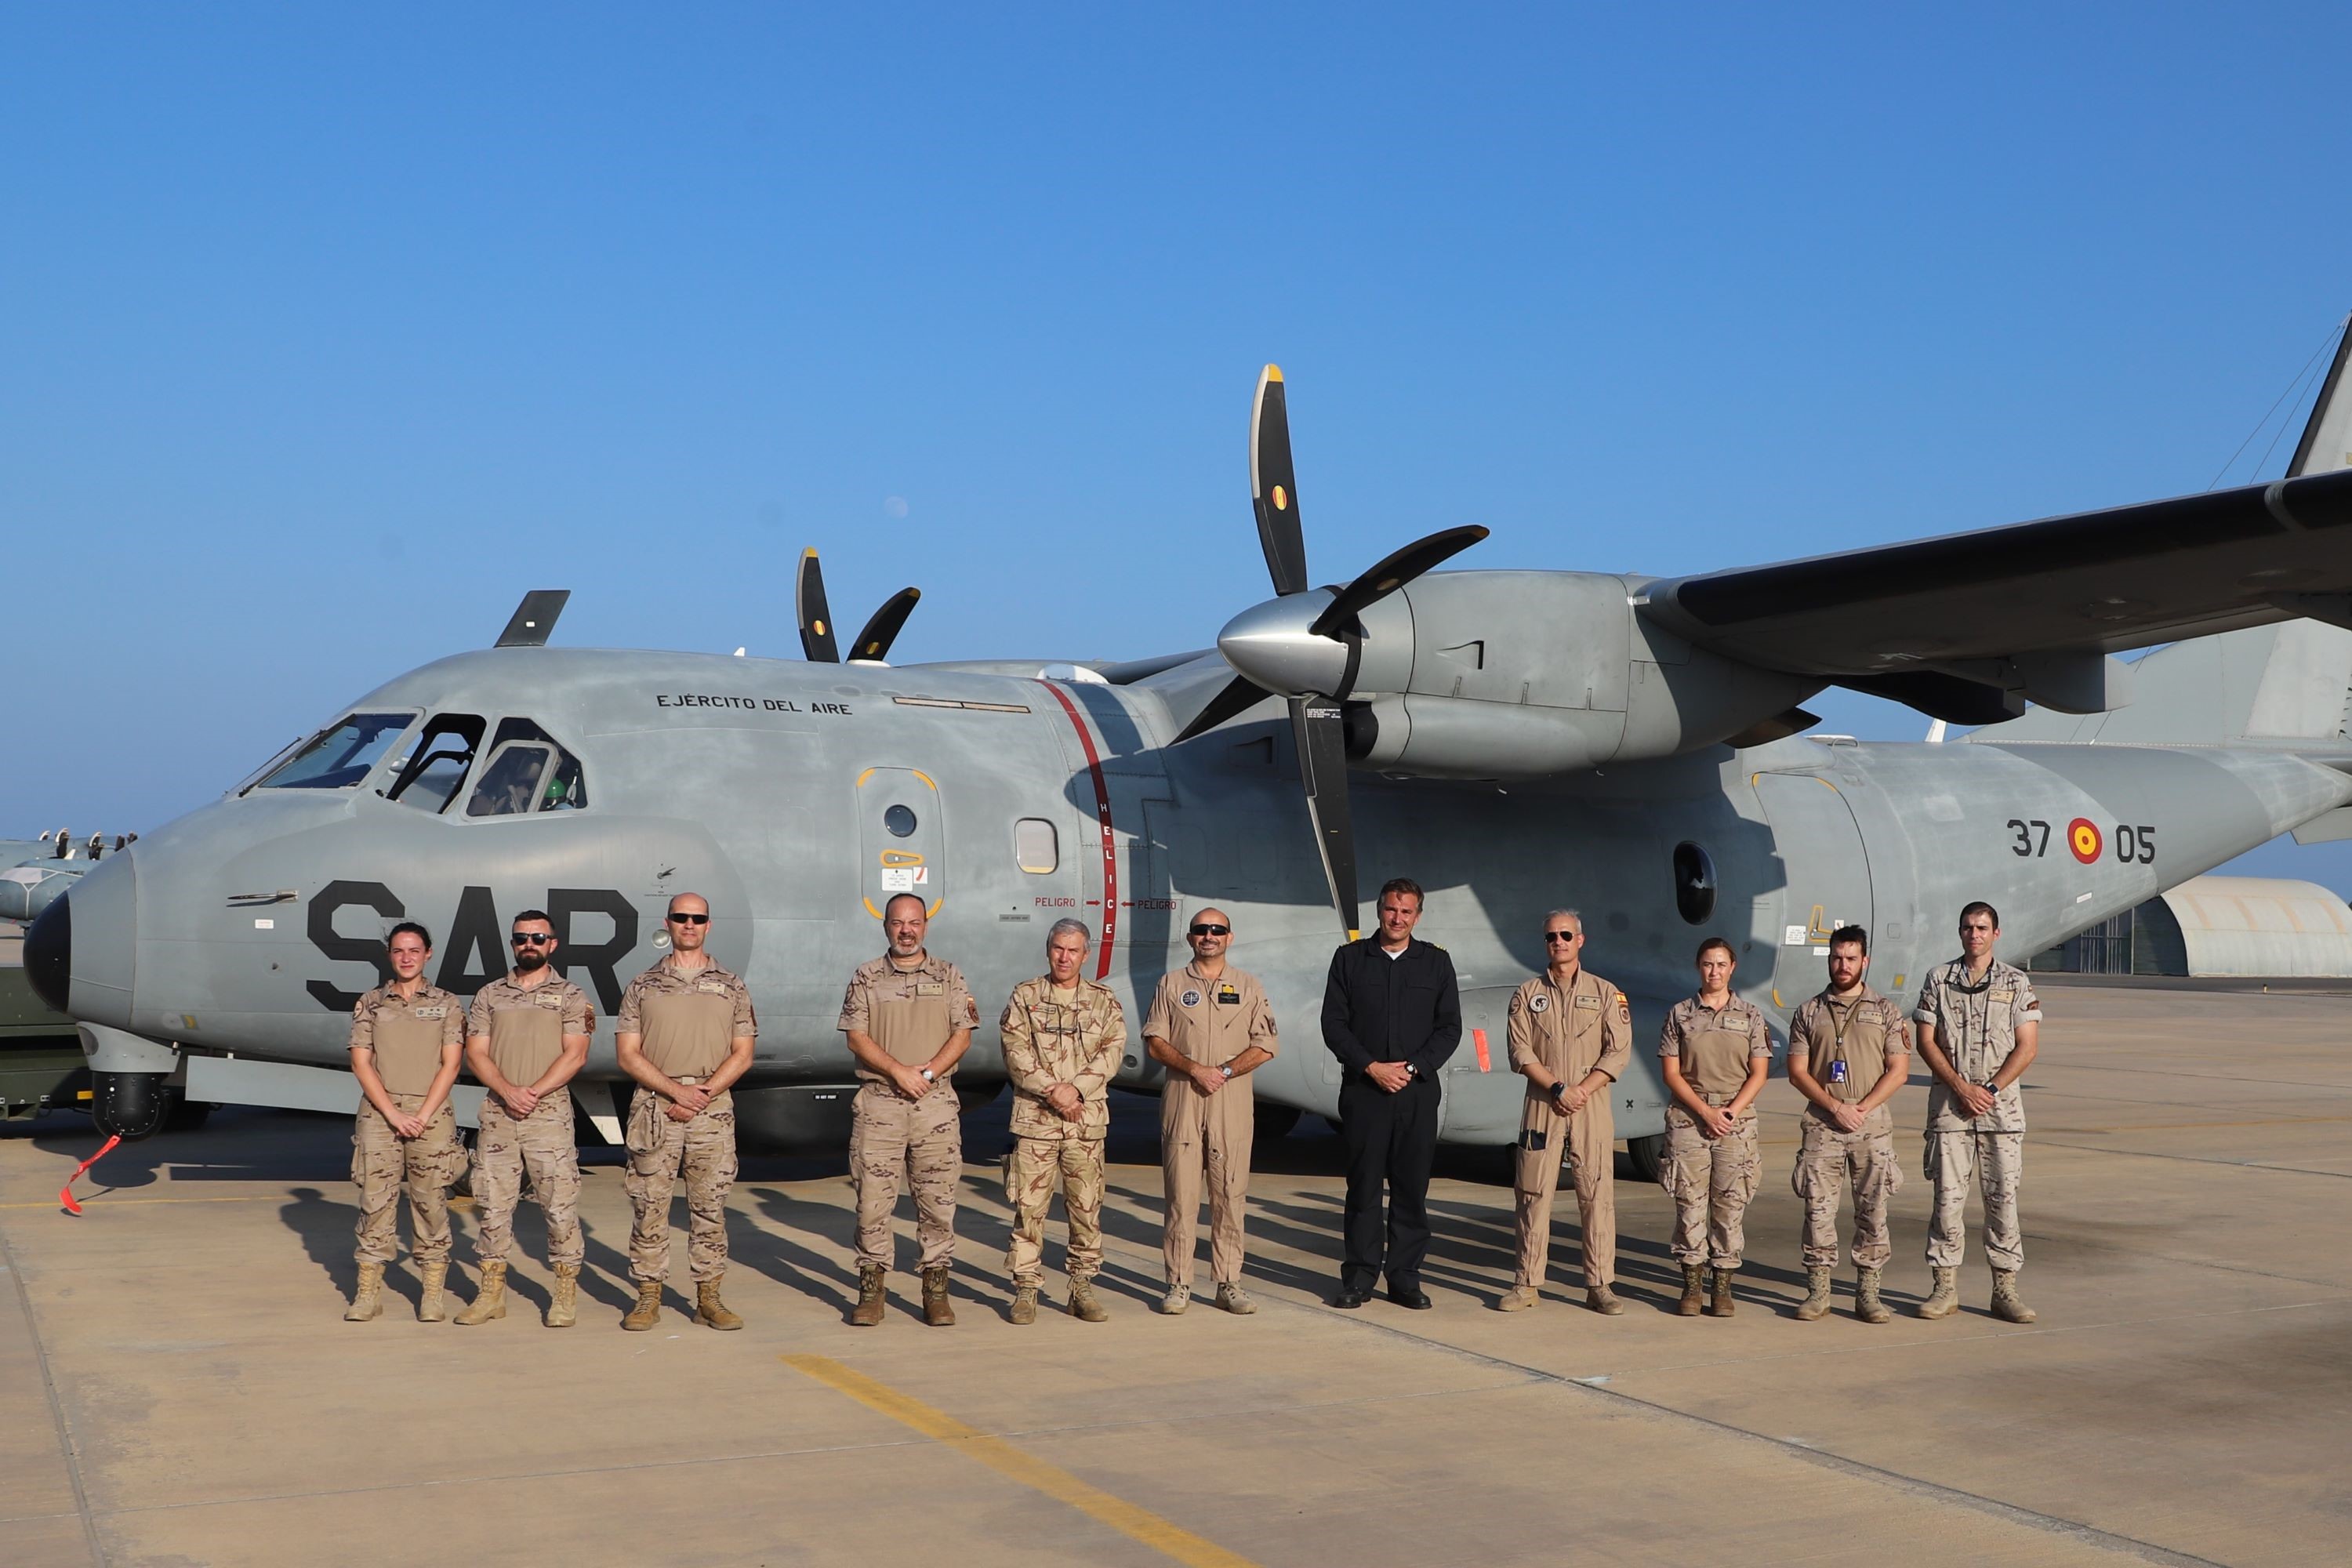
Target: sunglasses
[
  {"x": 1562, "y": 935},
  {"x": 531, "y": 938},
  {"x": 691, "y": 919},
  {"x": 1213, "y": 930}
]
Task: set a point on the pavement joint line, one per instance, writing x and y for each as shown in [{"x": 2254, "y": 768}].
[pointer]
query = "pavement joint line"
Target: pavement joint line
[
  {"x": 1137, "y": 1524},
  {"x": 69, "y": 1450},
  {"x": 2202, "y": 1159},
  {"x": 2052, "y": 1524}
]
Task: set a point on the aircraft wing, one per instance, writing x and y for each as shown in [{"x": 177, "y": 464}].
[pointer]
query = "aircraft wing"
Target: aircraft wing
[{"x": 1962, "y": 626}]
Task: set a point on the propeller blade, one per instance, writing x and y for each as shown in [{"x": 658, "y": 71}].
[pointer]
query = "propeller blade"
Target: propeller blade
[
  {"x": 1237, "y": 696},
  {"x": 1274, "y": 486},
  {"x": 817, "y": 644},
  {"x": 1393, "y": 574},
  {"x": 1322, "y": 735},
  {"x": 882, "y": 629}
]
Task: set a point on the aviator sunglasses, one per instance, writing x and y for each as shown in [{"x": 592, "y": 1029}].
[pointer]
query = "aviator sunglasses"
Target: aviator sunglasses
[
  {"x": 531, "y": 938},
  {"x": 1213, "y": 930},
  {"x": 691, "y": 919},
  {"x": 1562, "y": 935}
]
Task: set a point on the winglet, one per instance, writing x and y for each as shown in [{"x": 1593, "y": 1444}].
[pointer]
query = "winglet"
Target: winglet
[
  {"x": 2326, "y": 443},
  {"x": 534, "y": 619}
]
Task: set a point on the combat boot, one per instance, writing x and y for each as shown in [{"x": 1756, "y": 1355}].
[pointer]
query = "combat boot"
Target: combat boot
[
  {"x": 1024, "y": 1305},
  {"x": 1946, "y": 1298},
  {"x": 647, "y": 1311},
  {"x": 1517, "y": 1298},
  {"x": 1172, "y": 1304},
  {"x": 1083, "y": 1305},
  {"x": 1722, "y": 1305},
  {"x": 490, "y": 1299},
  {"x": 563, "y": 1305},
  {"x": 938, "y": 1311},
  {"x": 1866, "y": 1304},
  {"x": 367, "y": 1301},
  {"x": 1694, "y": 1291},
  {"x": 2005, "y": 1304},
  {"x": 1816, "y": 1303},
  {"x": 1602, "y": 1299},
  {"x": 1235, "y": 1299},
  {"x": 433, "y": 1306},
  {"x": 708, "y": 1310},
  {"x": 870, "y": 1293}
]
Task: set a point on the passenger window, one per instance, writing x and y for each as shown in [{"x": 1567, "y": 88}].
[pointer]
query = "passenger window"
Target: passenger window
[
  {"x": 429, "y": 779},
  {"x": 340, "y": 755},
  {"x": 1036, "y": 846},
  {"x": 527, "y": 772}
]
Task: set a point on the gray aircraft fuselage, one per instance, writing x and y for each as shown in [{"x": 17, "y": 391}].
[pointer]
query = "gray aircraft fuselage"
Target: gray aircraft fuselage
[{"x": 773, "y": 788}]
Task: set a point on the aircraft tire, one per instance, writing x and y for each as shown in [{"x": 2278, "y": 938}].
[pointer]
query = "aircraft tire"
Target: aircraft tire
[
  {"x": 1273, "y": 1123},
  {"x": 1646, "y": 1156},
  {"x": 186, "y": 1115}
]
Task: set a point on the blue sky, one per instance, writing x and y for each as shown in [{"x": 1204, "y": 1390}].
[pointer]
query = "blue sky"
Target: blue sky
[{"x": 329, "y": 333}]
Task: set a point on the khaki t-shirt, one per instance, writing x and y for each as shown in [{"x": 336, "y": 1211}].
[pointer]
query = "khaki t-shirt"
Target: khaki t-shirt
[
  {"x": 406, "y": 1034},
  {"x": 910, "y": 1013},
  {"x": 526, "y": 1028},
  {"x": 687, "y": 1020},
  {"x": 1715, "y": 1044},
  {"x": 1848, "y": 1045}
]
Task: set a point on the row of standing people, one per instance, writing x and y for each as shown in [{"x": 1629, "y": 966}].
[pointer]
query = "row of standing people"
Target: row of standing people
[{"x": 685, "y": 1033}]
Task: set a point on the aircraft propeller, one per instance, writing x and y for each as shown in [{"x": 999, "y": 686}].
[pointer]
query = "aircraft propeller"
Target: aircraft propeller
[
  {"x": 1304, "y": 654},
  {"x": 873, "y": 642}
]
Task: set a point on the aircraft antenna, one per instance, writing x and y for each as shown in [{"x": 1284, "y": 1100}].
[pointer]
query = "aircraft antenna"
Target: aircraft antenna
[{"x": 2336, "y": 334}]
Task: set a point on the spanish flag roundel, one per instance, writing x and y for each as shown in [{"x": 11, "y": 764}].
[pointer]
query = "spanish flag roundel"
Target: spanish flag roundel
[{"x": 2083, "y": 840}]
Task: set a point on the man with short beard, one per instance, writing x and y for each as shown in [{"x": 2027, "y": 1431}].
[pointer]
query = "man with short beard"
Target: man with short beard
[{"x": 528, "y": 1036}]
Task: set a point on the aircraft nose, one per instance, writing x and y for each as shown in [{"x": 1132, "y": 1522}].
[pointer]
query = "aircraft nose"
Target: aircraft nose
[
  {"x": 48, "y": 952},
  {"x": 78, "y": 954}
]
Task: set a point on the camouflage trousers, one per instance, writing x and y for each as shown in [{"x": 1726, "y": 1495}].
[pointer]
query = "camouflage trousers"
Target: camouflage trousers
[
  {"x": 1592, "y": 1135},
  {"x": 1710, "y": 1180},
  {"x": 1032, "y": 1171},
  {"x": 1996, "y": 1161},
  {"x": 660, "y": 1149},
  {"x": 1827, "y": 1162},
  {"x": 541, "y": 1140},
  {"x": 383, "y": 1161},
  {"x": 920, "y": 1141},
  {"x": 1204, "y": 1136}
]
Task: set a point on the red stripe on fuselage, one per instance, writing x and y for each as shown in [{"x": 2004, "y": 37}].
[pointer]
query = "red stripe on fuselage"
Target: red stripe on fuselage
[{"x": 1102, "y": 817}]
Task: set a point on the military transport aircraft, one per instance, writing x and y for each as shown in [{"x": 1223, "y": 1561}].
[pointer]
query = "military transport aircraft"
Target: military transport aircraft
[{"x": 1512, "y": 740}]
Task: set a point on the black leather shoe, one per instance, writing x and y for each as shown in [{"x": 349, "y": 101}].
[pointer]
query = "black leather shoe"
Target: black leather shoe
[
  {"x": 1410, "y": 1296},
  {"x": 1350, "y": 1297}
]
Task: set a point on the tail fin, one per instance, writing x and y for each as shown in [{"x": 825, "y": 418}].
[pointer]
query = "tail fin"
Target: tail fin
[
  {"x": 2326, "y": 443},
  {"x": 2287, "y": 686}
]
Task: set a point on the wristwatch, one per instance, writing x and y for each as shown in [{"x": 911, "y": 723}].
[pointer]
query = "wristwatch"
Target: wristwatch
[
  {"x": 1227, "y": 1069},
  {"x": 929, "y": 1076}
]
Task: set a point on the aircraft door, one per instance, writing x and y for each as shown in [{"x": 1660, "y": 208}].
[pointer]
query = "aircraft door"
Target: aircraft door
[
  {"x": 1825, "y": 879},
  {"x": 903, "y": 839}
]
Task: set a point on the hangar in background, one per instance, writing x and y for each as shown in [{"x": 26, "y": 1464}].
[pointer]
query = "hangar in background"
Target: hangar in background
[{"x": 2218, "y": 926}]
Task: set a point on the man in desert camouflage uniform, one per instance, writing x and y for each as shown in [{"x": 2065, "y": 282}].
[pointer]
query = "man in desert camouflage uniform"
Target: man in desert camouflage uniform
[
  {"x": 1980, "y": 1027},
  {"x": 406, "y": 1041},
  {"x": 1848, "y": 1056},
  {"x": 1572, "y": 1034},
  {"x": 528, "y": 1036},
  {"x": 1063, "y": 1035},
  {"x": 1714, "y": 1053},
  {"x": 908, "y": 1018},
  {"x": 684, "y": 1033}
]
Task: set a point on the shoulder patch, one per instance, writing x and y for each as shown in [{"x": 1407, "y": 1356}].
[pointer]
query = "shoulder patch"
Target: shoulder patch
[{"x": 1539, "y": 1003}]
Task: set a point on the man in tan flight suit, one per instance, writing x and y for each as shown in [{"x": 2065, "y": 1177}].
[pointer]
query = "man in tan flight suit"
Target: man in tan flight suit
[
  {"x": 1714, "y": 1053},
  {"x": 1063, "y": 1035},
  {"x": 684, "y": 1033},
  {"x": 1848, "y": 1056},
  {"x": 406, "y": 1039},
  {"x": 1210, "y": 1027},
  {"x": 1571, "y": 1035},
  {"x": 527, "y": 1036},
  {"x": 1980, "y": 1027},
  {"x": 908, "y": 1017}
]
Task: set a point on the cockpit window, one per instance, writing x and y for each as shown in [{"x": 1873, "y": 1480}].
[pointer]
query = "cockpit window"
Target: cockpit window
[
  {"x": 527, "y": 772},
  {"x": 428, "y": 777},
  {"x": 340, "y": 755}
]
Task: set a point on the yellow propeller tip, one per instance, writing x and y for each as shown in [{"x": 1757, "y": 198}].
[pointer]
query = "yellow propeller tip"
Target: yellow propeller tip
[
  {"x": 808, "y": 552},
  {"x": 1274, "y": 373}
]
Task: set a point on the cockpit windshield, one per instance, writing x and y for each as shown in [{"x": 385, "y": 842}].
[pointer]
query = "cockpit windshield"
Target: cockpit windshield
[{"x": 340, "y": 755}]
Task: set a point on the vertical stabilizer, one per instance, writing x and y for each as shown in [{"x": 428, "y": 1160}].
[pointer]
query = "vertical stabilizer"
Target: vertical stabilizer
[{"x": 2326, "y": 443}]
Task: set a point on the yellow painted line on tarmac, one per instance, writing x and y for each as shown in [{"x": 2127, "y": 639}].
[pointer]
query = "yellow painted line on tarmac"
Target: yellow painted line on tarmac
[
  {"x": 115, "y": 1203},
  {"x": 1134, "y": 1523}
]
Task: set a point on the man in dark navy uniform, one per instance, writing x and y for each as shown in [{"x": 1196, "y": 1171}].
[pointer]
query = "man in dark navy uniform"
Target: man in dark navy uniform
[{"x": 1393, "y": 1016}]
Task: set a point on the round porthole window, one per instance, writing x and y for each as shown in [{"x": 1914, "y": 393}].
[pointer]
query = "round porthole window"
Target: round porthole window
[
  {"x": 900, "y": 821},
  {"x": 1694, "y": 883}
]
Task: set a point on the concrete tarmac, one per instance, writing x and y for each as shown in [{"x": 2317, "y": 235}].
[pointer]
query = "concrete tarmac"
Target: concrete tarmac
[{"x": 177, "y": 1385}]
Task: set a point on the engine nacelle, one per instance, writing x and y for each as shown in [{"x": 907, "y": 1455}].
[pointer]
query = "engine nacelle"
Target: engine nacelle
[{"x": 1525, "y": 674}]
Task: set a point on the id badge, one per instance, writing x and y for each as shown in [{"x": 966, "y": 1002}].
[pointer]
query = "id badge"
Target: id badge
[{"x": 1837, "y": 1071}]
